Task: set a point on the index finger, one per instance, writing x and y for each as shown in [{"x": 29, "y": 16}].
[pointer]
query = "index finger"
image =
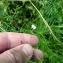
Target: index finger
[{"x": 9, "y": 40}]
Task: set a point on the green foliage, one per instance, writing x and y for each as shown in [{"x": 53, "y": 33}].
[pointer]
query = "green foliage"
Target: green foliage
[{"x": 18, "y": 16}]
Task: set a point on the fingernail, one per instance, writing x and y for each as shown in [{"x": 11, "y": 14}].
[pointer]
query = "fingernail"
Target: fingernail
[
  {"x": 34, "y": 40},
  {"x": 28, "y": 50}
]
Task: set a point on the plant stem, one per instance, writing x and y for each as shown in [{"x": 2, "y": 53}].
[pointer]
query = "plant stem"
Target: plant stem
[{"x": 45, "y": 23}]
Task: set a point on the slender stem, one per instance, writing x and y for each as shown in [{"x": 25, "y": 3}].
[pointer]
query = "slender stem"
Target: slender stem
[{"x": 45, "y": 22}]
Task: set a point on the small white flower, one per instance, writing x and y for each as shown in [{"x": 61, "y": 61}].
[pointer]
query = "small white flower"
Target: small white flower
[{"x": 33, "y": 26}]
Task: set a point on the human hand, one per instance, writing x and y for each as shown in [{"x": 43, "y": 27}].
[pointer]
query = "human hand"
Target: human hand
[{"x": 12, "y": 51}]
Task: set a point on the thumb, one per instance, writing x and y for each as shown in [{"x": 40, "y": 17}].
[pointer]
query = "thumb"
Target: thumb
[{"x": 20, "y": 54}]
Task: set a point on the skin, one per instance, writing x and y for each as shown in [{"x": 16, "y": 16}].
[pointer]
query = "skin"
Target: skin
[{"x": 14, "y": 48}]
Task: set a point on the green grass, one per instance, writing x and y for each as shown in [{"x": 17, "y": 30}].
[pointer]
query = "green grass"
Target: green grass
[{"x": 46, "y": 15}]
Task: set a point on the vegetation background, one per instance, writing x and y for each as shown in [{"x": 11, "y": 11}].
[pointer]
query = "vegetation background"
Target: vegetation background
[{"x": 46, "y": 15}]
